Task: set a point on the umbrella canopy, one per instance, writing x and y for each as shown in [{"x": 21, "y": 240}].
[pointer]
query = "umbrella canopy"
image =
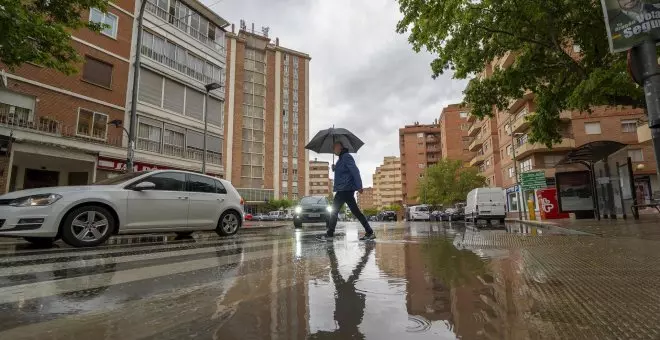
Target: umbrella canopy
[{"x": 324, "y": 141}]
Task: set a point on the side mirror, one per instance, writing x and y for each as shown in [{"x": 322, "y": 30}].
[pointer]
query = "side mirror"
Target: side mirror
[{"x": 144, "y": 186}]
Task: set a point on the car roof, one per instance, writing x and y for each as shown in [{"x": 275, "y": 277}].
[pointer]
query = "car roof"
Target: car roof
[{"x": 183, "y": 172}]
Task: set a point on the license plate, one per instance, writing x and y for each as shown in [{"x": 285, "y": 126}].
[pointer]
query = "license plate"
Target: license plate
[{"x": 314, "y": 215}]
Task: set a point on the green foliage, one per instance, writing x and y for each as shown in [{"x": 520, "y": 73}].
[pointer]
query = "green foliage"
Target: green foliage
[
  {"x": 39, "y": 31},
  {"x": 395, "y": 207},
  {"x": 274, "y": 204},
  {"x": 448, "y": 182},
  {"x": 467, "y": 35},
  {"x": 370, "y": 212}
]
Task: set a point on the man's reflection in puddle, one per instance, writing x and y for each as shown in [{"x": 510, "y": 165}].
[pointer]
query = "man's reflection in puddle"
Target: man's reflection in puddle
[{"x": 349, "y": 303}]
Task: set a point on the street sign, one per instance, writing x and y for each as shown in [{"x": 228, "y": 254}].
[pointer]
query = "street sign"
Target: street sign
[
  {"x": 631, "y": 22},
  {"x": 533, "y": 180}
]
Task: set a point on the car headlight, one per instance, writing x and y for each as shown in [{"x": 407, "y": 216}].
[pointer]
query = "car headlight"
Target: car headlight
[
  {"x": 35, "y": 200},
  {"x": 298, "y": 210},
  {"x": 329, "y": 209}
]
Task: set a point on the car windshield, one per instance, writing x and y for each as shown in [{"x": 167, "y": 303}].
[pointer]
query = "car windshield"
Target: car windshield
[
  {"x": 313, "y": 200},
  {"x": 121, "y": 178}
]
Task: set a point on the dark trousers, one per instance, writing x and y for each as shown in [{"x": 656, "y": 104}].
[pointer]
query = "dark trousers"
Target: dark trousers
[{"x": 347, "y": 197}]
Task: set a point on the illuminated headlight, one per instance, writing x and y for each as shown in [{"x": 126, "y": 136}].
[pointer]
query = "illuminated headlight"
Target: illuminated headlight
[
  {"x": 35, "y": 200},
  {"x": 298, "y": 210},
  {"x": 329, "y": 209}
]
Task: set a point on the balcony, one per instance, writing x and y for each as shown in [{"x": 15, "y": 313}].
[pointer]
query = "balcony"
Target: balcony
[
  {"x": 515, "y": 104},
  {"x": 474, "y": 129},
  {"x": 643, "y": 133},
  {"x": 432, "y": 140},
  {"x": 476, "y": 143},
  {"x": 432, "y": 149},
  {"x": 527, "y": 149},
  {"x": 520, "y": 123},
  {"x": 507, "y": 60},
  {"x": 471, "y": 118},
  {"x": 477, "y": 160}
]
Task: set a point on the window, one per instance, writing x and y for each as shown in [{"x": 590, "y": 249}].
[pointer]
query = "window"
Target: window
[
  {"x": 96, "y": 16},
  {"x": 509, "y": 150},
  {"x": 629, "y": 126},
  {"x": 173, "y": 141},
  {"x": 513, "y": 201},
  {"x": 550, "y": 161},
  {"x": 636, "y": 155},
  {"x": 97, "y": 72},
  {"x": 592, "y": 128},
  {"x": 463, "y": 114},
  {"x": 168, "y": 181},
  {"x": 216, "y": 112},
  {"x": 201, "y": 184},
  {"x": 150, "y": 88},
  {"x": 92, "y": 124},
  {"x": 149, "y": 136},
  {"x": 526, "y": 165},
  {"x": 511, "y": 172}
]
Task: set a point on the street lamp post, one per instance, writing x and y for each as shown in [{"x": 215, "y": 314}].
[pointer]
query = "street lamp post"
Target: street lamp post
[
  {"x": 209, "y": 87},
  {"x": 515, "y": 168},
  {"x": 132, "y": 128}
]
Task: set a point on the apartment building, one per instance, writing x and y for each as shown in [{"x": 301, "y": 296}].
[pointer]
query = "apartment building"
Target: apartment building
[
  {"x": 387, "y": 183},
  {"x": 419, "y": 147},
  {"x": 53, "y": 127},
  {"x": 319, "y": 180},
  {"x": 268, "y": 117},
  {"x": 454, "y": 138},
  {"x": 365, "y": 200}
]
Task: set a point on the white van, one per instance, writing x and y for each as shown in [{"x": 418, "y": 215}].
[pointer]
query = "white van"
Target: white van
[
  {"x": 419, "y": 213},
  {"x": 485, "y": 204}
]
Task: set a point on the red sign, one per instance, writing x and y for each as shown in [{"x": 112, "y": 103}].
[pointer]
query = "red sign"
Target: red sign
[
  {"x": 115, "y": 165},
  {"x": 549, "y": 205}
]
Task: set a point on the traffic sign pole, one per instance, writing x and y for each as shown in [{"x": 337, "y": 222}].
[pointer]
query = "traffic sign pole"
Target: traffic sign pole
[{"x": 646, "y": 55}]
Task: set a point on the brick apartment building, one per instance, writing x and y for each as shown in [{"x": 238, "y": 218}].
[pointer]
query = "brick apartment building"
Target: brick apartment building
[
  {"x": 454, "y": 139},
  {"x": 54, "y": 128},
  {"x": 268, "y": 117},
  {"x": 496, "y": 140},
  {"x": 419, "y": 147},
  {"x": 319, "y": 182},
  {"x": 365, "y": 200},
  {"x": 387, "y": 183}
]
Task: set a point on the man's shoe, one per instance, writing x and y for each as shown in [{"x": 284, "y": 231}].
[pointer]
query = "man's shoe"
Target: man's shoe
[
  {"x": 367, "y": 237},
  {"x": 325, "y": 238}
]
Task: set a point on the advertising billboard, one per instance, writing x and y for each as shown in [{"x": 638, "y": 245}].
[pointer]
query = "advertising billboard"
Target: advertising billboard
[
  {"x": 574, "y": 191},
  {"x": 630, "y": 22}
]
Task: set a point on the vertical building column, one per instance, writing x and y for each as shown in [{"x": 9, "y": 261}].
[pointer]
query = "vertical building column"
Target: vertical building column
[
  {"x": 306, "y": 160},
  {"x": 277, "y": 115},
  {"x": 229, "y": 140}
]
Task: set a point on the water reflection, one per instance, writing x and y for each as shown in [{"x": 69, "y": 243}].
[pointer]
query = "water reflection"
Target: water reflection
[{"x": 349, "y": 302}]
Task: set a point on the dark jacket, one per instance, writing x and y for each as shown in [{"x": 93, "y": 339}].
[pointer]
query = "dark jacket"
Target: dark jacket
[{"x": 347, "y": 174}]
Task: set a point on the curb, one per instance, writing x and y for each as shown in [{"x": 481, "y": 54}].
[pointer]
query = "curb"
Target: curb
[
  {"x": 264, "y": 226},
  {"x": 549, "y": 225}
]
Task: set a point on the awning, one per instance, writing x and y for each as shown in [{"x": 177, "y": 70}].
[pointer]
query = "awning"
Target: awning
[{"x": 591, "y": 152}]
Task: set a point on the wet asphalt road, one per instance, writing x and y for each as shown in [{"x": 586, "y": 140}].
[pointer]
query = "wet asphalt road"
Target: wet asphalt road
[{"x": 417, "y": 281}]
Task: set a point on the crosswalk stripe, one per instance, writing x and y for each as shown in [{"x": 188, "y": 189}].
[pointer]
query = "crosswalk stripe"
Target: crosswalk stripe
[
  {"x": 28, "y": 291},
  {"x": 157, "y": 247},
  {"x": 21, "y": 270}
]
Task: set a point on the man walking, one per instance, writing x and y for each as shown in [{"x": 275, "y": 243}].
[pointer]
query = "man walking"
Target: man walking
[{"x": 347, "y": 182}]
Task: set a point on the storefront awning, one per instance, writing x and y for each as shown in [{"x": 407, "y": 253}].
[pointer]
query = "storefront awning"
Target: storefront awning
[{"x": 591, "y": 152}]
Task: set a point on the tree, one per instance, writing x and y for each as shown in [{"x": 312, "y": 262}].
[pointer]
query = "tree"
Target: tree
[
  {"x": 545, "y": 38},
  {"x": 370, "y": 212},
  {"x": 448, "y": 182},
  {"x": 39, "y": 32}
]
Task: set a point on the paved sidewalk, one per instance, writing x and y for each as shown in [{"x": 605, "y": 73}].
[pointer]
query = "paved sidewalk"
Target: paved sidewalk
[
  {"x": 266, "y": 224},
  {"x": 647, "y": 227}
]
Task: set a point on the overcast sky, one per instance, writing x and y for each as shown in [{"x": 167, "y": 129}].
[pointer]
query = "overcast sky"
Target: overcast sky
[{"x": 363, "y": 75}]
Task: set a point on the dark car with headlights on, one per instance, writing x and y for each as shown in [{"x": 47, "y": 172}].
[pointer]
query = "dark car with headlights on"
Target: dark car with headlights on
[{"x": 312, "y": 209}]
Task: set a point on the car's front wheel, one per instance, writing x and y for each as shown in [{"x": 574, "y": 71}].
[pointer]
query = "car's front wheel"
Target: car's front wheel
[
  {"x": 228, "y": 224},
  {"x": 41, "y": 242},
  {"x": 88, "y": 226}
]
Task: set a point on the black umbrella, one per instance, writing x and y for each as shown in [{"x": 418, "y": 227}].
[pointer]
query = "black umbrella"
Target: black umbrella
[{"x": 324, "y": 141}]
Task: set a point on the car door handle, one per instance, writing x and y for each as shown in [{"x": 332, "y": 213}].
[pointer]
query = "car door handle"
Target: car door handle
[
  {"x": 221, "y": 199},
  {"x": 183, "y": 197}
]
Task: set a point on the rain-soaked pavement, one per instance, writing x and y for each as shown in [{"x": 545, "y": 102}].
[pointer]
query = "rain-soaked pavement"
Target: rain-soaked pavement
[{"x": 417, "y": 281}]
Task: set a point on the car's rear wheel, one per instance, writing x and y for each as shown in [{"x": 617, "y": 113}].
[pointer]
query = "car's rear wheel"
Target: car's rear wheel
[
  {"x": 88, "y": 226},
  {"x": 41, "y": 242},
  {"x": 228, "y": 224}
]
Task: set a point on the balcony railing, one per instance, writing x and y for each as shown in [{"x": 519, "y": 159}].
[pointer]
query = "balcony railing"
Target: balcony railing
[
  {"x": 48, "y": 126},
  {"x": 183, "y": 26},
  {"x": 476, "y": 143},
  {"x": 477, "y": 160},
  {"x": 527, "y": 149},
  {"x": 474, "y": 129}
]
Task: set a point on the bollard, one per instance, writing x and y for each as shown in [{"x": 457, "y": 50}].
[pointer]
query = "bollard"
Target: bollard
[{"x": 530, "y": 209}]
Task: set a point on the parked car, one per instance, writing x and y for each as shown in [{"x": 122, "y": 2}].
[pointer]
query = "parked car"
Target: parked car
[
  {"x": 312, "y": 209},
  {"x": 387, "y": 216},
  {"x": 277, "y": 215},
  {"x": 248, "y": 217},
  {"x": 419, "y": 213},
  {"x": 132, "y": 203},
  {"x": 452, "y": 214},
  {"x": 485, "y": 204}
]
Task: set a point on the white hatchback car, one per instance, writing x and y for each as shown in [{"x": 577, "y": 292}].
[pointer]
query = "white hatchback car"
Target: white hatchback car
[{"x": 138, "y": 202}]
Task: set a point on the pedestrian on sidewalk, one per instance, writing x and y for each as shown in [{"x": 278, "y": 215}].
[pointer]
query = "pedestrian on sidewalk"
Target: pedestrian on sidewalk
[{"x": 347, "y": 182}]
